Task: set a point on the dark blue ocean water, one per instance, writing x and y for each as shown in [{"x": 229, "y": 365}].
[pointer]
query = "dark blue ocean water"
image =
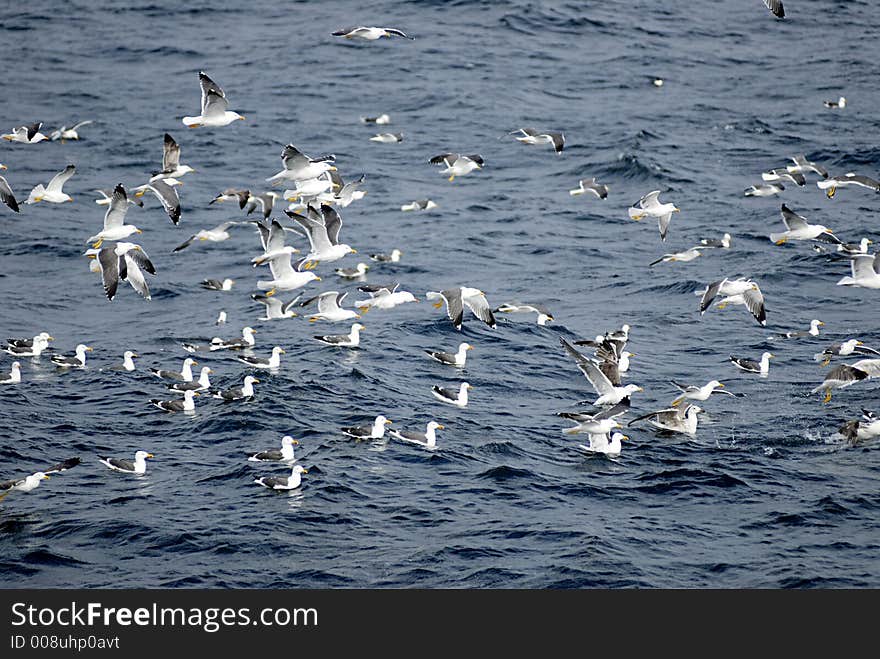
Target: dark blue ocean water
[{"x": 764, "y": 496}]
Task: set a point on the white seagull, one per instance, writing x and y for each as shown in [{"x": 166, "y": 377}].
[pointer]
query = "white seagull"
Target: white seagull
[
  {"x": 457, "y": 164},
  {"x": 369, "y": 33},
  {"x": 291, "y": 482},
  {"x": 139, "y": 466},
  {"x": 215, "y": 110},
  {"x": 650, "y": 206},
  {"x": 458, "y": 397},
  {"x": 532, "y": 136},
  {"x": 458, "y": 298},
  {"x": 52, "y": 192}
]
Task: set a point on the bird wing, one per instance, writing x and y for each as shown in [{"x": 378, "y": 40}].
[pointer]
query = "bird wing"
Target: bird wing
[
  {"x": 399, "y": 33},
  {"x": 60, "y": 179},
  {"x": 64, "y": 465},
  {"x": 663, "y": 224},
  {"x": 650, "y": 200},
  {"x": 444, "y": 158},
  {"x": 709, "y": 295},
  {"x": 135, "y": 277},
  {"x": 116, "y": 210},
  {"x": 292, "y": 158},
  {"x": 209, "y": 87},
  {"x": 109, "y": 263},
  {"x": 139, "y": 256},
  {"x": 215, "y": 105},
  {"x": 754, "y": 300},
  {"x": 332, "y": 223},
  {"x": 328, "y": 302},
  {"x": 793, "y": 221},
  {"x": 869, "y": 366},
  {"x": 776, "y": 7},
  {"x": 480, "y": 307},
  {"x": 33, "y": 129},
  {"x": 169, "y": 198},
  {"x": 454, "y": 308},
  {"x": 274, "y": 237},
  {"x": 170, "y": 154},
  {"x": 6, "y": 195},
  {"x": 865, "y": 182},
  {"x": 82, "y": 123},
  {"x": 316, "y": 231},
  {"x": 863, "y": 266}
]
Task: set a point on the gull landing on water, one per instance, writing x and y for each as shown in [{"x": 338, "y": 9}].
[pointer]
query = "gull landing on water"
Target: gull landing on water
[
  {"x": 26, "y": 134},
  {"x": 457, "y": 164},
  {"x": 544, "y": 314},
  {"x": 68, "y": 133},
  {"x": 840, "y": 103},
  {"x": 214, "y": 106}
]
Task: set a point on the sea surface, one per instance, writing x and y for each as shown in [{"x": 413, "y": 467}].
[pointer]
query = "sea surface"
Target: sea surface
[{"x": 766, "y": 495}]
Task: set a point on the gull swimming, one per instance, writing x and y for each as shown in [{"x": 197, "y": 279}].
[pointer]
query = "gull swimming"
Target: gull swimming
[
  {"x": 457, "y": 164},
  {"x": 35, "y": 349},
  {"x": 419, "y": 205},
  {"x": 203, "y": 382},
  {"x": 291, "y": 482},
  {"x": 427, "y": 439},
  {"x": 650, "y": 206},
  {"x": 797, "y": 334},
  {"x": 374, "y": 431},
  {"x": 171, "y": 167},
  {"x": 275, "y": 308},
  {"x": 185, "y": 374},
  {"x": 544, "y": 314},
  {"x": 52, "y": 192},
  {"x": 245, "y": 391},
  {"x": 797, "y": 228},
  {"x": 139, "y": 466},
  {"x": 458, "y": 397},
  {"x": 532, "y": 136},
  {"x": 457, "y": 358},
  {"x": 865, "y": 271},
  {"x": 590, "y": 185},
  {"x": 217, "y": 285},
  {"x": 68, "y": 133},
  {"x": 215, "y": 107},
  {"x": 393, "y": 257},
  {"x": 246, "y": 341},
  {"x": 272, "y": 362},
  {"x": 29, "y": 343},
  {"x": 14, "y": 374},
  {"x": 840, "y": 103},
  {"x": 862, "y": 429},
  {"x": 738, "y": 291},
  {"x": 717, "y": 243},
  {"x": 369, "y": 33},
  {"x": 831, "y": 183},
  {"x": 78, "y": 360},
  {"x": 186, "y": 404},
  {"x": 350, "y": 340},
  {"x": 387, "y": 138},
  {"x": 284, "y": 454},
  {"x": 26, "y": 134},
  {"x": 850, "y": 249},
  {"x": 353, "y": 273},
  {"x": 751, "y": 366},
  {"x": 381, "y": 119},
  {"x": 456, "y": 299}
]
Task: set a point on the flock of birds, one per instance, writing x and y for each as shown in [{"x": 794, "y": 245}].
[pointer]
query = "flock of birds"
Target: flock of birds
[{"x": 315, "y": 192}]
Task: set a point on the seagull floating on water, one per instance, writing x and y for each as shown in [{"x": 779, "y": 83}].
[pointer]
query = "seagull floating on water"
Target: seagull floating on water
[
  {"x": 272, "y": 362},
  {"x": 78, "y": 360},
  {"x": 245, "y": 391},
  {"x": 751, "y": 366},
  {"x": 139, "y": 466},
  {"x": 350, "y": 340},
  {"x": 217, "y": 285},
  {"x": 393, "y": 257},
  {"x": 187, "y": 404},
  {"x": 291, "y": 482},
  {"x": 452, "y": 359},
  {"x": 458, "y": 397},
  {"x": 419, "y": 205},
  {"x": 428, "y": 439},
  {"x": 374, "y": 431},
  {"x": 284, "y": 454},
  {"x": 840, "y": 103}
]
